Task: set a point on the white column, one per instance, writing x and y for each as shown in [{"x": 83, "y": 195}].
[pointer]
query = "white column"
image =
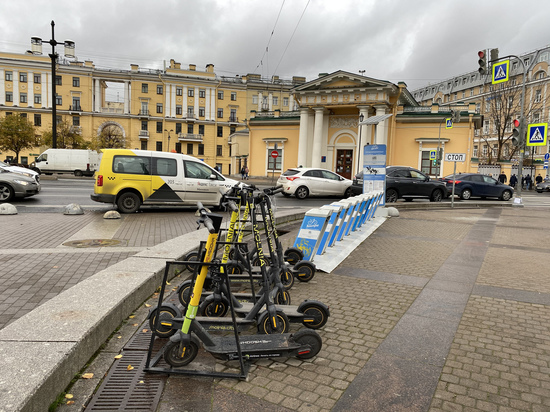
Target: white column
[
  {"x": 46, "y": 94},
  {"x": 196, "y": 106},
  {"x": 260, "y": 101},
  {"x": 126, "y": 97},
  {"x": 167, "y": 106},
  {"x": 97, "y": 96},
  {"x": 270, "y": 101},
  {"x": 317, "y": 137},
  {"x": 213, "y": 113},
  {"x": 16, "y": 88},
  {"x": 30, "y": 91},
  {"x": 302, "y": 139},
  {"x": 184, "y": 102},
  {"x": 291, "y": 102},
  {"x": 2, "y": 89},
  {"x": 381, "y": 130},
  {"x": 173, "y": 100},
  {"x": 363, "y": 139},
  {"x": 207, "y": 109}
]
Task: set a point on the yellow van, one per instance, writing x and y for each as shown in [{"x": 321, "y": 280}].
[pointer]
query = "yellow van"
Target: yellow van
[{"x": 131, "y": 178}]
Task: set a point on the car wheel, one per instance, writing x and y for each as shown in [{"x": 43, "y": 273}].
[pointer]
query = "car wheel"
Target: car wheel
[
  {"x": 6, "y": 193},
  {"x": 539, "y": 191},
  {"x": 128, "y": 202},
  {"x": 466, "y": 194},
  {"x": 506, "y": 195},
  {"x": 302, "y": 192},
  {"x": 78, "y": 173},
  {"x": 348, "y": 193},
  {"x": 437, "y": 196},
  {"x": 391, "y": 196}
]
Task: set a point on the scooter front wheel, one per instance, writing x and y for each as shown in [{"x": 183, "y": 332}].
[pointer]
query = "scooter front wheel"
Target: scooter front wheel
[
  {"x": 184, "y": 292},
  {"x": 304, "y": 270},
  {"x": 293, "y": 255},
  {"x": 318, "y": 313},
  {"x": 282, "y": 298},
  {"x": 266, "y": 327},
  {"x": 177, "y": 354},
  {"x": 310, "y": 338},
  {"x": 191, "y": 256},
  {"x": 214, "y": 309},
  {"x": 287, "y": 278},
  {"x": 164, "y": 328}
]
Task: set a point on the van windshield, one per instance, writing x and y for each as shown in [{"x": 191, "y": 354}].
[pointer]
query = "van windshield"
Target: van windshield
[
  {"x": 197, "y": 170},
  {"x": 42, "y": 158}
]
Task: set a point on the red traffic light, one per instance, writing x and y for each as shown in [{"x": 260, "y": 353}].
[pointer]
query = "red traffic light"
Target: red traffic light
[
  {"x": 516, "y": 123},
  {"x": 481, "y": 54}
]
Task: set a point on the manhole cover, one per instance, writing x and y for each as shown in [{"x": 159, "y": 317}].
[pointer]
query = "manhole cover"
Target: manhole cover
[{"x": 94, "y": 243}]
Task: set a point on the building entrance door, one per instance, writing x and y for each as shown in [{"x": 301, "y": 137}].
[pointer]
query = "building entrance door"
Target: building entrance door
[{"x": 344, "y": 163}]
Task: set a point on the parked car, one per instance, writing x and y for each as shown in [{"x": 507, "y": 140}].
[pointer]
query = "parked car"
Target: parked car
[
  {"x": 22, "y": 170},
  {"x": 130, "y": 178},
  {"x": 357, "y": 184},
  {"x": 468, "y": 185},
  {"x": 305, "y": 181},
  {"x": 543, "y": 186},
  {"x": 13, "y": 184},
  {"x": 404, "y": 182}
]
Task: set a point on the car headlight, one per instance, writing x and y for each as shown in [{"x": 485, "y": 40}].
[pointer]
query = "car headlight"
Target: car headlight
[{"x": 21, "y": 182}]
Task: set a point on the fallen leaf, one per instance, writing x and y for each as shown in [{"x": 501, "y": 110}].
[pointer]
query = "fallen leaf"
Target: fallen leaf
[
  {"x": 119, "y": 337},
  {"x": 141, "y": 382},
  {"x": 130, "y": 367},
  {"x": 132, "y": 316},
  {"x": 135, "y": 324},
  {"x": 69, "y": 396},
  {"x": 118, "y": 356},
  {"x": 70, "y": 402},
  {"x": 55, "y": 267},
  {"x": 168, "y": 283},
  {"x": 145, "y": 330},
  {"x": 88, "y": 375},
  {"x": 147, "y": 305}
]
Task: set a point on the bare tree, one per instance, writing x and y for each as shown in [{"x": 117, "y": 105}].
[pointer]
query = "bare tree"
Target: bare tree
[{"x": 111, "y": 137}]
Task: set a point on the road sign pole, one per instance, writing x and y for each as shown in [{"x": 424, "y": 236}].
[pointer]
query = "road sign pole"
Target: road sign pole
[{"x": 453, "y": 191}]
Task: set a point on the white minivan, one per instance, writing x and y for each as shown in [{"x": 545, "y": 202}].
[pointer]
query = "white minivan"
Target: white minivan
[{"x": 131, "y": 178}]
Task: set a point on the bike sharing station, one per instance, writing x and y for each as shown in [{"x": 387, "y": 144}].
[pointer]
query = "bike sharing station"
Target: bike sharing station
[{"x": 330, "y": 233}]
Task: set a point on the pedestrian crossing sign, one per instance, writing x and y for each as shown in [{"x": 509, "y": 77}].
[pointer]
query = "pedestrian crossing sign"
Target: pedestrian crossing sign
[
  {"x": 501, "y": 72},
  {"x": 448, "y": 123},
  {"x": 536, "y": 134},
  {"x": 433, "y": 154}
]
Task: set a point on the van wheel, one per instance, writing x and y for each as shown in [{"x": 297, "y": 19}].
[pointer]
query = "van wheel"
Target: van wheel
[
  {"x": 128, "y": 202},
  {"x": 78, "y": 173}
]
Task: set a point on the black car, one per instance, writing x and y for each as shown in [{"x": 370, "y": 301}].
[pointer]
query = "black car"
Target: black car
[
  {"x": 404, "y": 182},
  {"x": 468, "y": 185}
]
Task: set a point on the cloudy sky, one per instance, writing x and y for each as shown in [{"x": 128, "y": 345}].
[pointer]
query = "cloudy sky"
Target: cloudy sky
[{"x": 415, "y": 41}]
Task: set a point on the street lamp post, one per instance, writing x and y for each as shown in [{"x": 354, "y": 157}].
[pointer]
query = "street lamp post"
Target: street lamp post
[
  {"x": 361, "y": 118},
  {"x": 171, "y": 130},
  {"x": 36, "y": 43}
]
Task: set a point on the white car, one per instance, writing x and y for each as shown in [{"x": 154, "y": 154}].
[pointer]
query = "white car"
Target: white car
[
  {"x": 306, "y": 181},
  {"x": 22, "y": 170}
]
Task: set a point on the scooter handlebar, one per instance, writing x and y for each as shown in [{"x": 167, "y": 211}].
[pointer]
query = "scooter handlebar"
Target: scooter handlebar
[
  {"x": 273, "y": 190},
  {"x": 204, "y": 219}
]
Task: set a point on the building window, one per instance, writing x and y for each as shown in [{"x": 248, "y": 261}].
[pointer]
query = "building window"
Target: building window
[
  {"x": 37, "y": 98},
  {"x": 220, "y": 113},
  {"x": 285, "y": 101},
  {"x": 190, "y": 112},
  {"x": 38, "y": 120},
  {"x": 9, "y": 76},
  {"x": 275, "y": 101},
  {"x": 24, "y": 160},
  {"x": 76, "y": 120},
  {"x": 274, "y": 163},
  {"x": 23, "y": 77},
  {"x": 484, "y": 150},
  {"x": 178, "y": 128},
  {"x": 159, "y": 89},
  {"x": 201, "y": 129},
  {"x": 202, "y": 93},
  {"x": 231, "y": 129},
  {"x": 190, "y": 92},
  {"x": 201, "y": 150},
  {"x": 255, "y": 99},
  {"x": 428, "y": 165},
  {"x": 159, "y": 107},
  {"x": 159, "y": 127},
  {"x": 179, "y": 91},
  {"x": 58, "y": 100},
  {"x": 189, "y": 148},
  {"x": 475, "y": 151},
  {"x": 144, "y": 145},
  {"x": 144, "y": 125},
  {"x": 220, "y": 131},
  {"x": 495, "y": 149},
  {"x": 58, "y": 119},
  {"x": 234, "y": 96},
  {"x": 178, "y": 147},
  {"x": 220, "y": 94},
  {"x": 144, "y": 88},
  {"x": 159, "y": 146},
  {"x": 190, "y": 128},
  {"x": 23, "y": 98},
  {"x": 179, "y": 109},
  {"x": 233, "y": 115},
  {"x": 536, "y": 118},
  {"x": 219, "y": 150},
  {"x": 9, "y": 97},
  {"x": 76, "y": 81},
  {"x": 201, "y": 111},
  {"x": 58, "y": 81},
  {"x": 37, "y": 78},
  {"x": 538, "y": 96}
]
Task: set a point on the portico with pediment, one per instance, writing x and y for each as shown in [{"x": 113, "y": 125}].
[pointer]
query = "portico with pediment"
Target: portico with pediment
[{"x": 331, "y": 106}]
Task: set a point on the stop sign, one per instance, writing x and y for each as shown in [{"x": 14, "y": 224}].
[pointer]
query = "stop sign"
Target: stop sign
[{"x": 274, "y": 154}]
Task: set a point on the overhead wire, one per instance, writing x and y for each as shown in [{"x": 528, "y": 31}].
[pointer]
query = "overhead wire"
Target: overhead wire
[{"x": 266, "y": 51}]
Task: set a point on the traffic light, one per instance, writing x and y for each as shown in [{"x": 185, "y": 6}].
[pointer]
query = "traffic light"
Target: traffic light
[
  {"x": 494, "y": 55},
  {"x": 515, "y": 132},
  {"x": 482, "y": 62},
  {"x": 456, "y": 116}
]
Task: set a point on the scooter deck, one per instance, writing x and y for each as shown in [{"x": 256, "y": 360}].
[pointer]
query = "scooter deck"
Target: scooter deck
[
  {"x": 254, "y": 346},
  {"x": 224, "y": 324},
  {"x": 289, "y": 310}
]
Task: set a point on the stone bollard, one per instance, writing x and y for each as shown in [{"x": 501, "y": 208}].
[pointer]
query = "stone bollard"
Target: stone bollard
[
  {"x": 7, "y": 209},
  {"x": 73, "y": 209}
]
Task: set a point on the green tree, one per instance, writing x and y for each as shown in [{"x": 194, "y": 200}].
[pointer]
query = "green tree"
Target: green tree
[
  {"x": 68, "y": 137},
  {"x": 111, "y": 137},
  {"x": 16, "y": 134}
]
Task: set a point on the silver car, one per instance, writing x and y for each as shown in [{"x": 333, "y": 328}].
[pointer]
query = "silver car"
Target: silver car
[
  {"x": 14, "y": 185},
  {"x": 543, "y": 186}
]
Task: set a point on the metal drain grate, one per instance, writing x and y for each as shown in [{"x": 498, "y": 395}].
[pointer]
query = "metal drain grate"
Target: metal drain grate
[{"x": 128, "y": 390}]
